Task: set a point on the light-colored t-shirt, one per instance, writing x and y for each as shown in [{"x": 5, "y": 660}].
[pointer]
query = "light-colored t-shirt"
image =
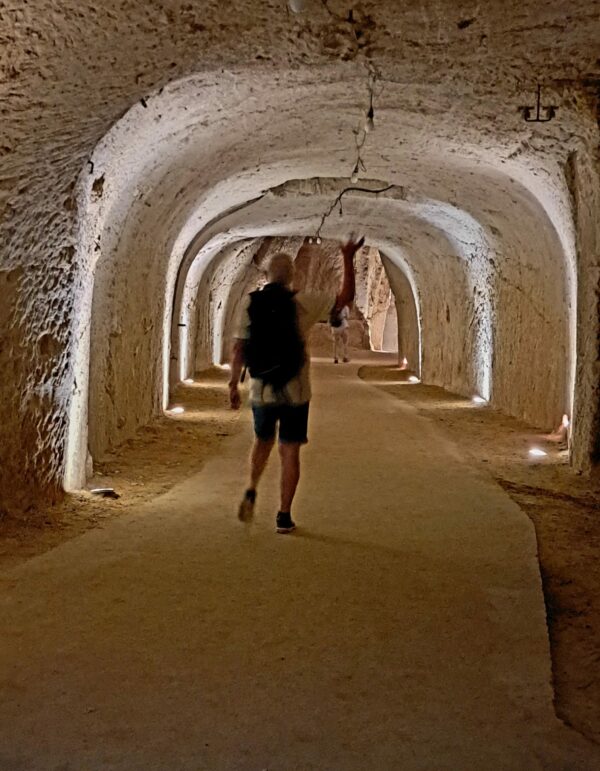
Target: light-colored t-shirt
[
  {"x": 312, "y": 308},
  {"x": 343, "y": 316}
]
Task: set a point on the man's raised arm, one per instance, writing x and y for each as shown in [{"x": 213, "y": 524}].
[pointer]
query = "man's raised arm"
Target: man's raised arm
[{"x": 346, "y": 295}]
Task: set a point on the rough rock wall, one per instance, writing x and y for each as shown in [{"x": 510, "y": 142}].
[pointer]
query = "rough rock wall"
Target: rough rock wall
[
  {"x": 490, "y": 323},
  {"x": 373, "y": 294},
  {"x": 390, "y": 330},
  {"x": 447, "y": 307},
  {"x": 407, "y": 316},
  {"x": 16, "y": 406},
  {"x": 583, "y": 175},
  {"x": 125, "y": 346},
  {"x": 530, "y": 333}
]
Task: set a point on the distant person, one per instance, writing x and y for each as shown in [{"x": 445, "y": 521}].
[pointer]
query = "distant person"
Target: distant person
[
  {"x": 271, "y": 343},
  {"x": 338, "y": 321}
]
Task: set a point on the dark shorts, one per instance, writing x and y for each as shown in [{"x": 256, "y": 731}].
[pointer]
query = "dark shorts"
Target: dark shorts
[{"x": 292, "y": 418}]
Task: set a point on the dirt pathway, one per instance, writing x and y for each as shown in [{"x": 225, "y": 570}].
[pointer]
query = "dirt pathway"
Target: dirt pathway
[
  {"x": 564, "y": 509},
  {"x": 402, "y": 626}
]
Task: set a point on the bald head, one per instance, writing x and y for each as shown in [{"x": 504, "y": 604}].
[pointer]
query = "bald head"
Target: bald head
[{"x": 281, "y": 269}]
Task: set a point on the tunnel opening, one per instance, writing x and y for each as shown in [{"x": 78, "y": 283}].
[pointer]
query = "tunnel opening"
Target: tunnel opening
[
  {"x": 211, "y": 311},
  {"x": 485, "y": 315}
]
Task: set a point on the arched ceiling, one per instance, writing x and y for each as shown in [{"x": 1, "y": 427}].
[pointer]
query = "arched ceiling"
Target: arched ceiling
[{"x": 205, "y": 145}]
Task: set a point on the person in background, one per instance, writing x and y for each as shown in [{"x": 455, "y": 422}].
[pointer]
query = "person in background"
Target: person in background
[{"x": 338, "y": 321}]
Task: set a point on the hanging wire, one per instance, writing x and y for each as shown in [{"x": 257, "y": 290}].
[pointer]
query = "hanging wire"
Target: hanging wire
[{"x": 338, "y": 202}]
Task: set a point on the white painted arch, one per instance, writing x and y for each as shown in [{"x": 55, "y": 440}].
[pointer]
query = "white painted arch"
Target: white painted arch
[{"x": 171, "y": 172}]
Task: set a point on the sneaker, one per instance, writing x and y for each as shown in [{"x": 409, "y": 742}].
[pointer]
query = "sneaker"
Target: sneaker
[
  {"x": 246, "y": 510},
  {"x": 345, "y": 360},
  {"x": 285, "y": 524},
  {"x": 335, "y": 361}
]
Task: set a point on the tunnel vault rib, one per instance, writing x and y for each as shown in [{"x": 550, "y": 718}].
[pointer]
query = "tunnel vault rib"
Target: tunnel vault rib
[
  {"x": 463, "y": 190},
  {"x": 295, "y": 208},
  {"x": 297, "y": 193},
  {"x": 290, "y": 190},
  {"x": 299, "y": 204}
]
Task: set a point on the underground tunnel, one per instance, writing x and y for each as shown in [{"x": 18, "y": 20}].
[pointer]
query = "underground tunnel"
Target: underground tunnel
[{"x": 155, "y": 157}]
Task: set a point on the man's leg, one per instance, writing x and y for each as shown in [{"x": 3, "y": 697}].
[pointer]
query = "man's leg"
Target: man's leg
[
  {"x": 293, "y": 430},
  {"x": 290, "y": 473},
  {"x": 258, "y": 460},
  {"x": 265, "y": 421},
  {"x": 335, "y": 347},
  {"x": 345, "y": 344}
]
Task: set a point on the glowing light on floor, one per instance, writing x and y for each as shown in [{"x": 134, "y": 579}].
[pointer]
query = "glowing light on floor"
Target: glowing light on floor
[
  {"x": 176, "y": 410},
  {"x": 479, "y": 400},
  {"x": 189, "y": 381},
  {"x": 535, "y": 452},
  {"x": 413, "y": 379}
]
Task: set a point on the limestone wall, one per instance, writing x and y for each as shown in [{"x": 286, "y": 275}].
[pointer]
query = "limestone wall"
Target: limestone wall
[
  {"x": 583, "y": 178},
  {"x": 373, "y": 295},
  {"x": 407, "y": 317}
]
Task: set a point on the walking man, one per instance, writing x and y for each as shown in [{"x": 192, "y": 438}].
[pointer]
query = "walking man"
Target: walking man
[{"x": 271, "y": 342}]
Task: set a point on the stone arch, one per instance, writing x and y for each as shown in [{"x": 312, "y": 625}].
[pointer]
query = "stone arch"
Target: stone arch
[
  {"x": 143, "y": 243},
  {"x": 240, "y": 268}
]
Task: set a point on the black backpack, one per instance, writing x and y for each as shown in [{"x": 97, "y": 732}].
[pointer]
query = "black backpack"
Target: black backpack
[
  {"x": 335, "y": 318},
  {"x": 274, "y": 351}
]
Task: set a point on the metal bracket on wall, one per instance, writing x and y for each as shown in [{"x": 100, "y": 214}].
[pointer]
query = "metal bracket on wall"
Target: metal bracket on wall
[{"x": 549, "y": 111}]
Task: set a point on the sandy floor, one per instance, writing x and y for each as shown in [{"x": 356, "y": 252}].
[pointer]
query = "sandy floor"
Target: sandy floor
[
  {"x": 565, "y": 510},
  {"x": 162, "y": 454},
  {"x": 561, "y": 506}
]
